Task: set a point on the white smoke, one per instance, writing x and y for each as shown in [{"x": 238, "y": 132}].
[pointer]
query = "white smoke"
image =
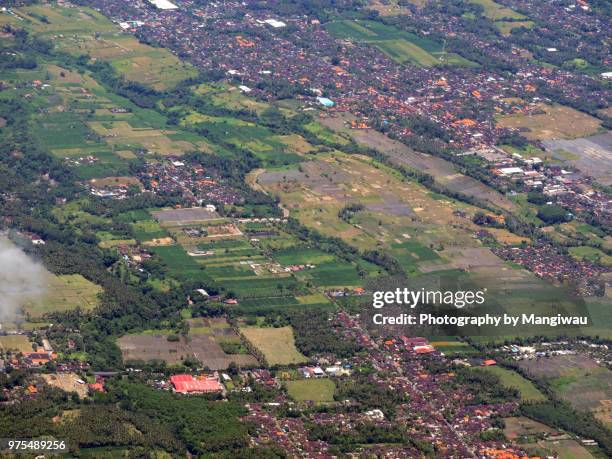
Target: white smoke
[{"x": 22, "y": 280}]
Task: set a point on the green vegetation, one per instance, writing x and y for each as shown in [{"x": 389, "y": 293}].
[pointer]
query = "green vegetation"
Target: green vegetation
[
  {"x": 399, "y": 45},
  {"x": 313, "y": 390},
  {"x": 509, "y": 378},
  {"x": 277, "y": 345}
]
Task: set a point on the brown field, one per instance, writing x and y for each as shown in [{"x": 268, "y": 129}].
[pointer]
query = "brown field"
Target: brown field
[
  {"x": 66, "y": 382},
  {"x": 528, "y": 434},
  {"x": 202, "y": 343},
  {"x": 116, "y": 181},
  {"x": 558, "y": 122},
  {"x": 395, "y": 211},
  {"x": 159, "y": 242},
  {"x": 185, "y": 216},
  {"x": 504, "y": 236},
  {"x": 442, "y": 170},
  {"x": 577, "y": 379}
]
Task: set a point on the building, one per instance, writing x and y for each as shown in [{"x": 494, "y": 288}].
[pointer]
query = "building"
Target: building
[
  {"x": 187, "y": 384},
  {"x": 163, "y": 4}
]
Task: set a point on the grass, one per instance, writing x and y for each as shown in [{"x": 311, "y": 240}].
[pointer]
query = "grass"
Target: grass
[
  {"x": 556, "y": 122},
  {"x": 510, "y": 378},
  {"x": 276, "y": 344},
  {"x": 398, "y": 45},
  {"x": 312, "y": 390},
  {"x": 85, "y": 31},
  {"x": 19, "y": 343},
  {"x": 591, "y": 254},
  {"x": 65, "y": 293}
]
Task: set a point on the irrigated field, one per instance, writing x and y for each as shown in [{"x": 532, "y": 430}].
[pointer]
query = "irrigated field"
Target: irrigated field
[
  {"x": 509, "y": 378},
  {"x": 398, "y": 45},
  {"x": 65, "y": 293},
  {"x": 84, "y": 31},
  {"x": 577, "y": 379},
  {"x": 276, "y": 344}
]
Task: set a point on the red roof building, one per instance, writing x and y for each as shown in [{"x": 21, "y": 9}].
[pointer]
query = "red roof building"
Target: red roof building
[{"x": 187, "y": 384}]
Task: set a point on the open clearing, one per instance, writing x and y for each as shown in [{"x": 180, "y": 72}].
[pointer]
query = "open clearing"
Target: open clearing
[
  {"x": 556, "y": 122},
  {"x": 68, "y": 382},
  {"x": 82, "y": 30},
  {"x": 577, "y": 379},
  {"x": 312, "y": 390},
  {"x": 185, "y": 216},
  {"x": 509, "y": 378},
  {"x": 203, "y": 342},
  {"x": 276, "y": 344},
  {"x": 529, "y": 433},
  {"x": 397, "y": 44},
  {"x": 65, "y": 293},
  {"x": 592, "y": 155},
  {"x": 19, "y": 343},
  {"x": 442, "y": 170}
]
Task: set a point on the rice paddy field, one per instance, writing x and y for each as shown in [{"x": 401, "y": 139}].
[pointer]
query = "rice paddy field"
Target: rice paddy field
[
  {"x": 245, "y": 135},
  {"x": 311, "y": 390},
  {"x": 65, "y": 293},
  {"x": 529, "y": 434},
  {"x": 510, "y": 378},
  {"x": 19, "y": 343},
  {"x": 398, "y": 45},
  {"x": 276, "y": 344},
  {"x": 85, "y": 31},
  {"x": 556, "y": 122},
  {"x": 577, "y": 379},
  {"x": 203, "y": 342}
]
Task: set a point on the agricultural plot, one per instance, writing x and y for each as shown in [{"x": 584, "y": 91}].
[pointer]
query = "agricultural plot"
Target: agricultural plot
[
  {"x": 397, "y": 214},
  {"x": 178, "y": 264},
  {"x": 592, "y": 155},
  {"x": 556, "y": 122},
  {"x": 529, "y": 433},
  {"x": 276, "y": 344},
  {"x": 65, "y": 293},
  {"x": 84, "y": 31},
  {"x": 18, "y": 343},
  {"x": 122, "y": 135},
  {"x": 504, "y": 18},
  {"x": 68, "y": 382},
  {"x": 204, "y": 342},
  {"x": 398, "y": 45},
  {"x": 577, "y": 379},
  {"x": 509, "y": 378},
  {"x": 591, "y": 254},
  {"x": 185, "y": 216},
  {"x": 311, "y": 390},
  {"x": 245, "y": 135},
  {"x": 442, "y": 170}
]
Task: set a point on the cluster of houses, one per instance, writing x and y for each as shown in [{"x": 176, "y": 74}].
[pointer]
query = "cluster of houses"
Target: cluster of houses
[
  {"x": 548, "y": 263},
  {"x": 193, "y": 182}
]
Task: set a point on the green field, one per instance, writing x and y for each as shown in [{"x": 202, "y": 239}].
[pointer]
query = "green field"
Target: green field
[
  {"x": 397, "y": 44},
  {"x": 312, "y": 390},
  {"x": 276, "y": 344},
  {"x": 510, "y": 378},
  {"x": 590, "y": 254},
  {"x": 85, "y": 31},
  {"x": 178, "y": 264},
  {"x": 65, "y": 293},
  {"x": 19, "y": 343}
]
